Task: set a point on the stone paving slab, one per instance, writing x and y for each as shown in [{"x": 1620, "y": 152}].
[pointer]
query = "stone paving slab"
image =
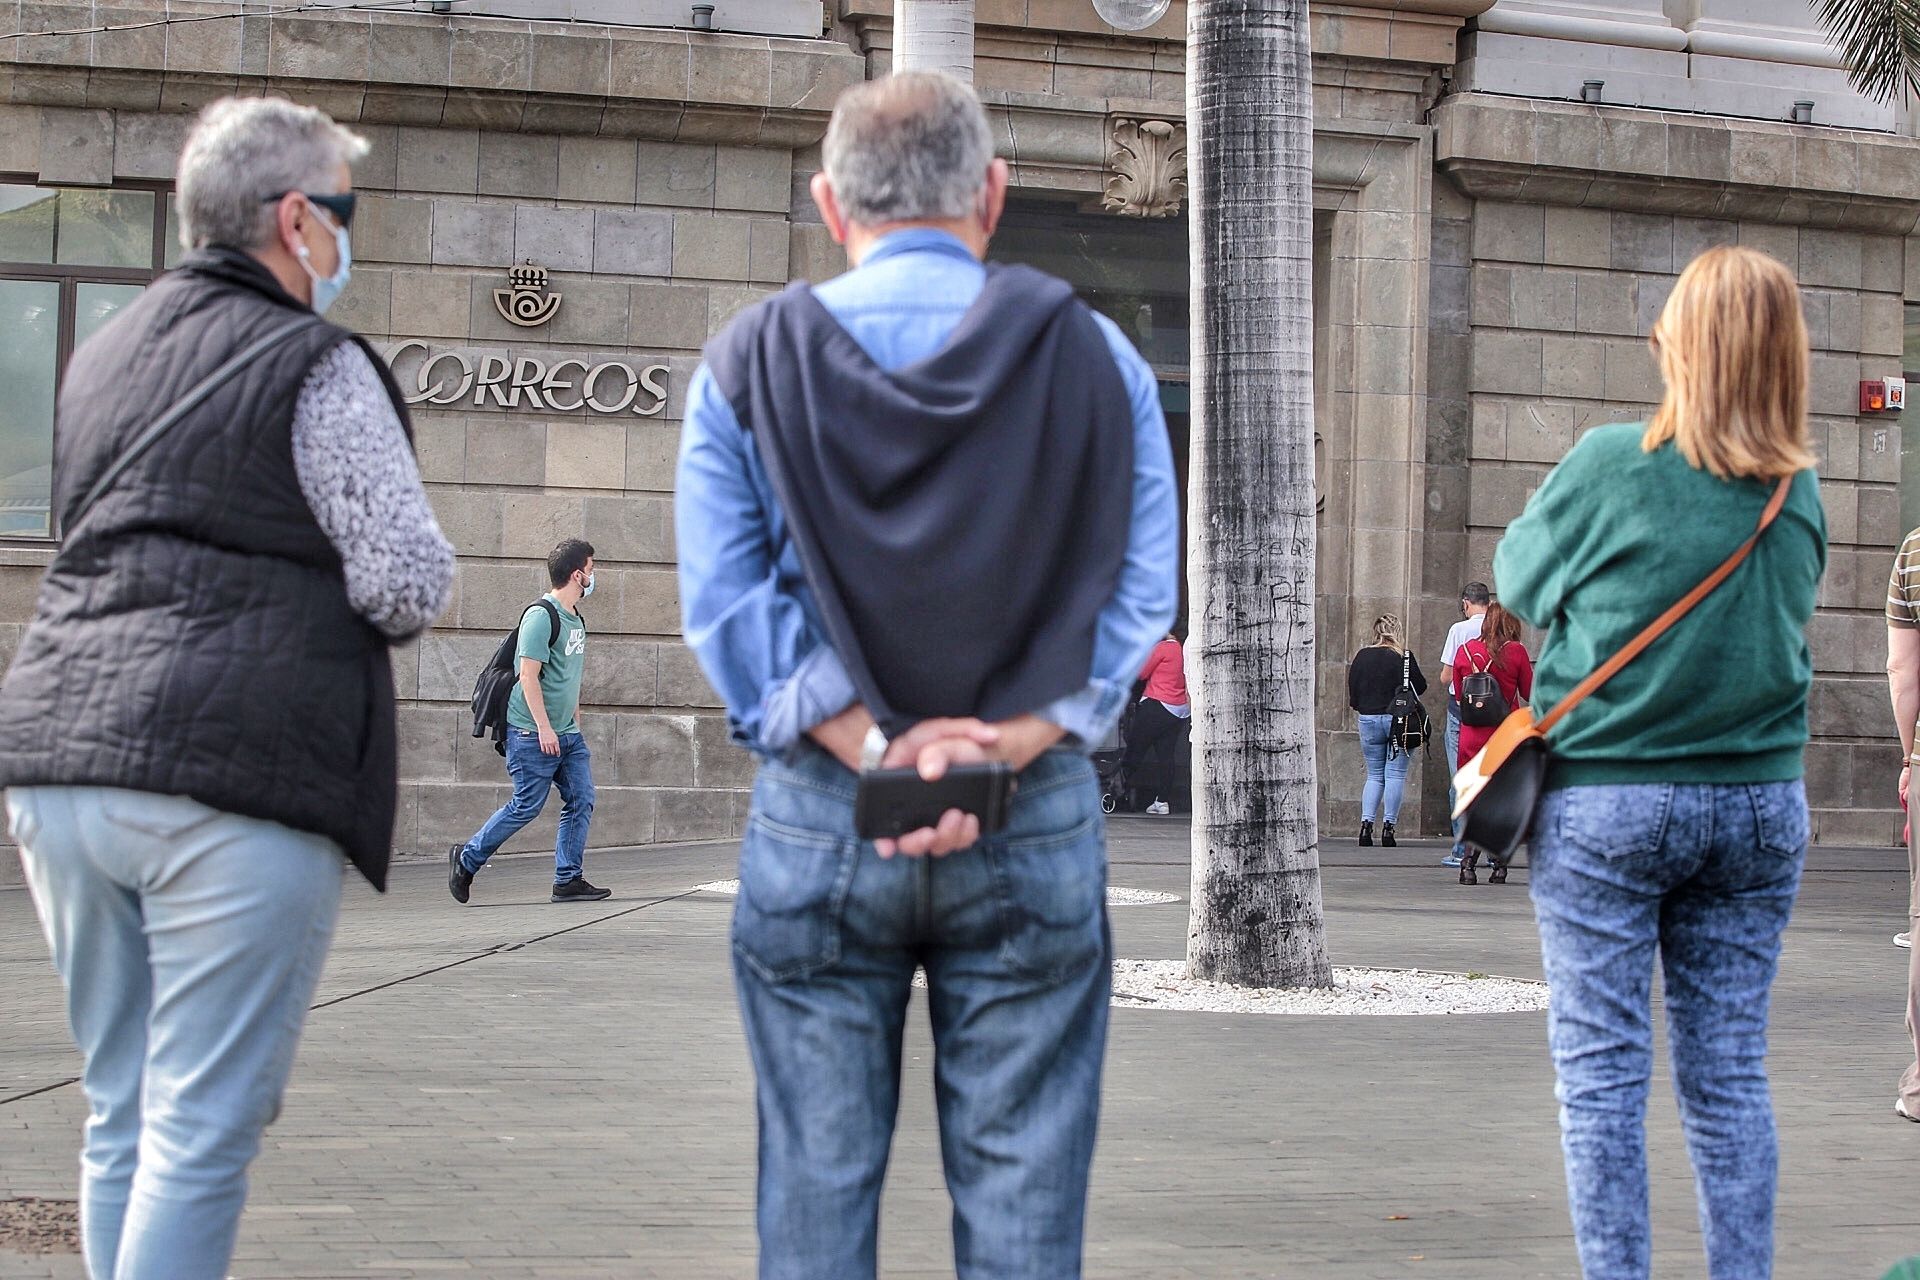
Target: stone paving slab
[{"x": 520, "y": 1090}]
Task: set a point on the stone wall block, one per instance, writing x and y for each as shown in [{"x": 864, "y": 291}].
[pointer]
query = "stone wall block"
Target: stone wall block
[
  {"x": 651, "y": 603},
  {"x": 471, "y": 519},
  {"x": 1572, "y": 141},
  {"x": 1507, "y": 363},
  {"x": 392, "y": 229},
  {"x": 1489, "y": 428},
  {"x": 76, "y": 146},
  {"x": 632, "y": 242},
  {"x": 583, "y": 453},
  {"x": 440, "y": 443},
  {"x": 439, "y": 160},
  {"x": 332, "y": 48},
  {"x": 430, "y": 304},
  {"x": 594, "y": 313},
  {"x": 1842, "y": 503},
  {"x": 1496, "y": 494},
  {"x": 1699, "y": 149},
  {"x": 1760, "y": 157},
  {"x": 1830, "y": 258},
  {"x": 493, "y": 596},
  {"x": 667, "y": 317},
  {"x": 692, "y": 815},
  {"x": 682, "y": 683},
  {"x": 1642, "y": 242},
  {"x": 656, "y": 751},
  {"x": 1841, "y": 708},
  {"x": 365, "y": 306},
  {"x": 1880, "y": 524},
  {"x": 1578, "y": 237},
  {"x": 1492, "y": 296},
  {"x": 768, "y": 252},
  {"x": 1782, "y": 242},
  {"x": 507, "y": 451},
  {"x": 1572, "y": 368},
  {"x": 676, "y": 174},
  {"x": 1539, "y": 432},
  {"x": 1882, "y": 264},
  {"x": 519, "y": 164},
  {"x": 710, "y": 248},
  {"x": 472, "y": 235},
  {"x": 654, "y": 65},
  {"x": 1694, "y": 236},
  {"x": 598, "y": 169},
  {"x": 1543, "y": 299},
  {"x": 1835, "y": 387},
  {"x": 1879, "y": 451},
  {"x": 144, "y": 145},
  {"x": 721, "y": 763},
  {"x": 1604, "y": 304},
  {"x": 573, "y": 61},
  {"x": 811, "y": 79},
  {"x": 1882, "y": 324},
  {"x": 1846, "y": 322},
  {"x": 1632, "y": 377},
  {"x": 753, "y": 179},
  {"x": 408, "y": 48},
  {"x": 532, "y": 524},
  {"x": 1631, "y": 144},
  {"x": 1650, "y": 294},
  {"x": 1826, "y": 160},
  {"x": 1509, "y": 232},
  {"x": 630, "y": 528},
  {"x": 449, "y": 661},
  {"x": 731, "y": 69}
]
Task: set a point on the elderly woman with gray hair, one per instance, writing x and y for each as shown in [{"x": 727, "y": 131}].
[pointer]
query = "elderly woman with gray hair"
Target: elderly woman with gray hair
[{"x": 198, "y": 731}]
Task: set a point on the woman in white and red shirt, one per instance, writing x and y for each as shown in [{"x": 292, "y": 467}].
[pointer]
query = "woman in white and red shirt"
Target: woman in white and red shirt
[{"x": 1158, "y": 723}]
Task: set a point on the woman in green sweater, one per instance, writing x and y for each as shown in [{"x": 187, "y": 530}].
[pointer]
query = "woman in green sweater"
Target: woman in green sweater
[{"x": 1675, "y": 820}]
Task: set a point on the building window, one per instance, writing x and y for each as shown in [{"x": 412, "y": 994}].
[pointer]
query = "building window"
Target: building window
[{"x": 70, "y": 257}]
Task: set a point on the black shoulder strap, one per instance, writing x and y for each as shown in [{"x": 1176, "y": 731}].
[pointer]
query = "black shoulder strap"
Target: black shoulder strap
[
  {"x": 181, "y": 407},
  {"x": 553, "y": 621}
]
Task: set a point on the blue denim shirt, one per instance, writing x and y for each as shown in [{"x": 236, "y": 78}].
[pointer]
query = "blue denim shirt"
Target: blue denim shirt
[{"x": 747, "y": 613}]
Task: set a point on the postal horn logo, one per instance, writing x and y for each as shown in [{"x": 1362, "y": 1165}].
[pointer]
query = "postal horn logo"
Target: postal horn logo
[{"x": 527, "y": 302}]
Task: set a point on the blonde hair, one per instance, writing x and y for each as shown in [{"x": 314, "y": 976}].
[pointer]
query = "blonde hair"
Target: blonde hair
[
  {"x": 1386, "y": 630},
  {"x": 1732, "y": 347}
]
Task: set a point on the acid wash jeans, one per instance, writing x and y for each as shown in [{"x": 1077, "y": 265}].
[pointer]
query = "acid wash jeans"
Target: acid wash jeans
[
  {"x": 190, "y": 942},
  {"x": 1704, "y": 876},
  {"x": 1386, "y": 770},
  {"x": 1013, "y": 936}
]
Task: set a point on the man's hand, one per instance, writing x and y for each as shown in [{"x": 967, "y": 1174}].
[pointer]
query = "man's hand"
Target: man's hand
[
  {"x": 1906, "y": 778},
  {"x": 843, "y": 736},
  {"x": 932, "y": 747},
  {"x": 549, "y": 741}
]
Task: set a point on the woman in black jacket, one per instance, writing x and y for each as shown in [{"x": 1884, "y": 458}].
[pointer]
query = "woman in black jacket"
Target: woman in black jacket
[{"x": 1372, "y": 680}]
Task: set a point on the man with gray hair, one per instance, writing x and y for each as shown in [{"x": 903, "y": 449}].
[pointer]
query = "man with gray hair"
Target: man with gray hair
[
  {"x": 927, "y": 521},
  {"x": 198, "y": 730}
]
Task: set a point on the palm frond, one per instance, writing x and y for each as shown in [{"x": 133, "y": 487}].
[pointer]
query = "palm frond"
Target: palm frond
[{"x": 1880, "y": 40}]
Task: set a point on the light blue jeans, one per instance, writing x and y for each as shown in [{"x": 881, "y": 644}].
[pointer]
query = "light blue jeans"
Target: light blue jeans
[
  {"x": 535, "y": 774},
  {"x": 190, "y": 942},
  {"x": 1704, "y": 878},
  {"x": 1453, "y": 766},
  {"x": 1013, "y": 936},
  {"x": 1386, "y": 770}
]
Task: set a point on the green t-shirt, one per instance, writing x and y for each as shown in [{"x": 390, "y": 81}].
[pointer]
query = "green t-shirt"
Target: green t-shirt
[
  {"x": 560, "y": 668},
  {"x": 1612, "y": 538}
]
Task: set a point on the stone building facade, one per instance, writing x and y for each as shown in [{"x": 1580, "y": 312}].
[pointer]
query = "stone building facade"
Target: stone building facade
[{"x": 1490, "y": 254}]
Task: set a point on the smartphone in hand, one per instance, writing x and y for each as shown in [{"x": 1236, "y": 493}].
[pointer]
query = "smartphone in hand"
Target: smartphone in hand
[{"x": 892, "y": 802}]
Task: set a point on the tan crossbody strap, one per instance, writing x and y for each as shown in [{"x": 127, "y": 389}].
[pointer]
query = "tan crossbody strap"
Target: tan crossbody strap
[{"x": 1658, "y": 627}]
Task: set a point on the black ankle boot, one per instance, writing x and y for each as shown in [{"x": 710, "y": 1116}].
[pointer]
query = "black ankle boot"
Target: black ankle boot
[
  {"x": 1498, "y": 875},
  {"x": 1386, "y": 835},
  {"x": 1466, "y": 867},
  {"x": 1366, "y": 834}
]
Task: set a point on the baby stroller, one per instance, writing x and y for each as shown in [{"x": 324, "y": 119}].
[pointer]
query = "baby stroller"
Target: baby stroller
[{"x": 1119, "y": 792}]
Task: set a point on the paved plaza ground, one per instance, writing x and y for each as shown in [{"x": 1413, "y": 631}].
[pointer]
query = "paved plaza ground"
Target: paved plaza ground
[{"x": 517, "y": 1089}]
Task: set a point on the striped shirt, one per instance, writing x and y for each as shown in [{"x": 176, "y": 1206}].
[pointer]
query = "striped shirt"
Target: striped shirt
[{"x": 1903, "y": 588}]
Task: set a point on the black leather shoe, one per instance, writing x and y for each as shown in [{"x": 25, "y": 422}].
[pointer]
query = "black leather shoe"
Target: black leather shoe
[
  {"x": 1498, "y": 875},
  {"x": 578, "y": 890},
  {"x": 1366, "y": 834},
  {"x": 1386, "y": 836},
  {"x": 1467, "y": 865},
  {"x": 459, "y": 879}
]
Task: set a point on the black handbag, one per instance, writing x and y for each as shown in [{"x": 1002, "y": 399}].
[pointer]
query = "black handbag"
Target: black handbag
[{"x": 1497, "y": 790}]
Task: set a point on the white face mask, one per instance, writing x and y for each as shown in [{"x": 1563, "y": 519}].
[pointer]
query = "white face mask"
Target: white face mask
[
  {"x": 587, "y": 590},
  {"x": 327, "y": 289}
]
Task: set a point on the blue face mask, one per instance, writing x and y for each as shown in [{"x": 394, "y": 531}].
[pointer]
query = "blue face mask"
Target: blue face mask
[
  {"x": 587, "y": 590},
  {"x": 326, "y": 289}
]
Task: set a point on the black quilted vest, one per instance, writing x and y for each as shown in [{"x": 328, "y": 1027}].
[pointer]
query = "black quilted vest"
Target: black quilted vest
[{"x": 193, "y": 636}]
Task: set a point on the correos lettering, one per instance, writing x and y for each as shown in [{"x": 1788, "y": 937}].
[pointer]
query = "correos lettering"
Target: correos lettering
[{"x": 528, "y": 382}]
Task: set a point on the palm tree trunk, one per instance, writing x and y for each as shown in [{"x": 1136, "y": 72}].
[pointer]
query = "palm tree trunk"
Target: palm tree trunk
[
  {"x": 933, "y": 35},
  {"x": 1256, "y": 917}
]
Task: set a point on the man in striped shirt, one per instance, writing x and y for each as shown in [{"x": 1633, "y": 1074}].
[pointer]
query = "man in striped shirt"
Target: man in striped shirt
[{"x": 1903, "y": 674}]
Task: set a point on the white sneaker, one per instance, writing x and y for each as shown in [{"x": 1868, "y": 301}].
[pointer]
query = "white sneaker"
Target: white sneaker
[
  {"x": 1903, "y": 940},
  {"x": 1900, "y": 1109},
  {"x": 1159, "y": 808}
]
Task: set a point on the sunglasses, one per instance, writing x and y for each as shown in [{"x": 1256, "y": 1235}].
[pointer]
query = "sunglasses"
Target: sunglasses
[{"x": 341, "y": 206}]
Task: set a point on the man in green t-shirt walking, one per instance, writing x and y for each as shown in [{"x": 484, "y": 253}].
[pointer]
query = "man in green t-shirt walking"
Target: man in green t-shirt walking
[{"x": 544, "y": 746}]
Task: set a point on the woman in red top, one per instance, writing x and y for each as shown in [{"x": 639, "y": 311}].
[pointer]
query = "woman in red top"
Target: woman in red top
[
  {"x": 1497, "y": 650},
  {"x": 1159, "y": 723}
]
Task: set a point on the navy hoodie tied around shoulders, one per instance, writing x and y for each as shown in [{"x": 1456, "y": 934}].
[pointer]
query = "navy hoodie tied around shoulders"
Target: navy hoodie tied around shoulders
[{"x": 962, "y": 520}]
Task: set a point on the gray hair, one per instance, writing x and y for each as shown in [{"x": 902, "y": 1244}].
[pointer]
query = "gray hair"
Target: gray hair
[
  {"x": 242, "y": 151},
  {"x": 908, "y": 147}
]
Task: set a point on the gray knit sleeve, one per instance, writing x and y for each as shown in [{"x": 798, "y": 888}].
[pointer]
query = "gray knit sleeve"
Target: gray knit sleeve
[{"x": 358, "y": 473}]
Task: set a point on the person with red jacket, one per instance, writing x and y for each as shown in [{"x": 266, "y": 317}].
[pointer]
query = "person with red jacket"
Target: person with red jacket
[
  {"x": 1158, "y": 723},
  {"x": 1496, "y": 651}
]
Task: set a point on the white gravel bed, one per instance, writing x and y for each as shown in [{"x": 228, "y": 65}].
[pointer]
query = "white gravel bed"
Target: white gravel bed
[
  {"x": 1162, "y": 984},
  {"x": 1115, "y": 897}
]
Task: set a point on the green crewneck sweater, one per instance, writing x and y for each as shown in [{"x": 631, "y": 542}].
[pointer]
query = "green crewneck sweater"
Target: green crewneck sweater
[{"x": 1612, "y": 538}]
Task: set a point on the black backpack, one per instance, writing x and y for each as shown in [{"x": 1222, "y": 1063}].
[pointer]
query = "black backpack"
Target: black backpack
[
  {"x": 1411, "y": 728},
  {"x": 494, "y": 685},
  {"x": 1482, "y": 705}
]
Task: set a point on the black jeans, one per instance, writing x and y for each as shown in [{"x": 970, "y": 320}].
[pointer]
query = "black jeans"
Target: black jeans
[{"x": 1155, "y": 734}]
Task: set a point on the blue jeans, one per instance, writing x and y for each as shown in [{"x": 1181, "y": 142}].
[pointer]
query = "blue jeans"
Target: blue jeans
[
  {"x": 1386, "y": 770},
  {"x": 1453, "y": 766},
  {"x": 1704, "y": 876},
  {"x": 1013, "y": 936},
  {"x": 190, "y": 942},
  {"x": 534, "y": 773}
]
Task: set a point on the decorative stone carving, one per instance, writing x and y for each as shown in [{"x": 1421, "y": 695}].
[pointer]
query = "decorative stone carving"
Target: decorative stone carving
[{"x": 1149, "y": 163}]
